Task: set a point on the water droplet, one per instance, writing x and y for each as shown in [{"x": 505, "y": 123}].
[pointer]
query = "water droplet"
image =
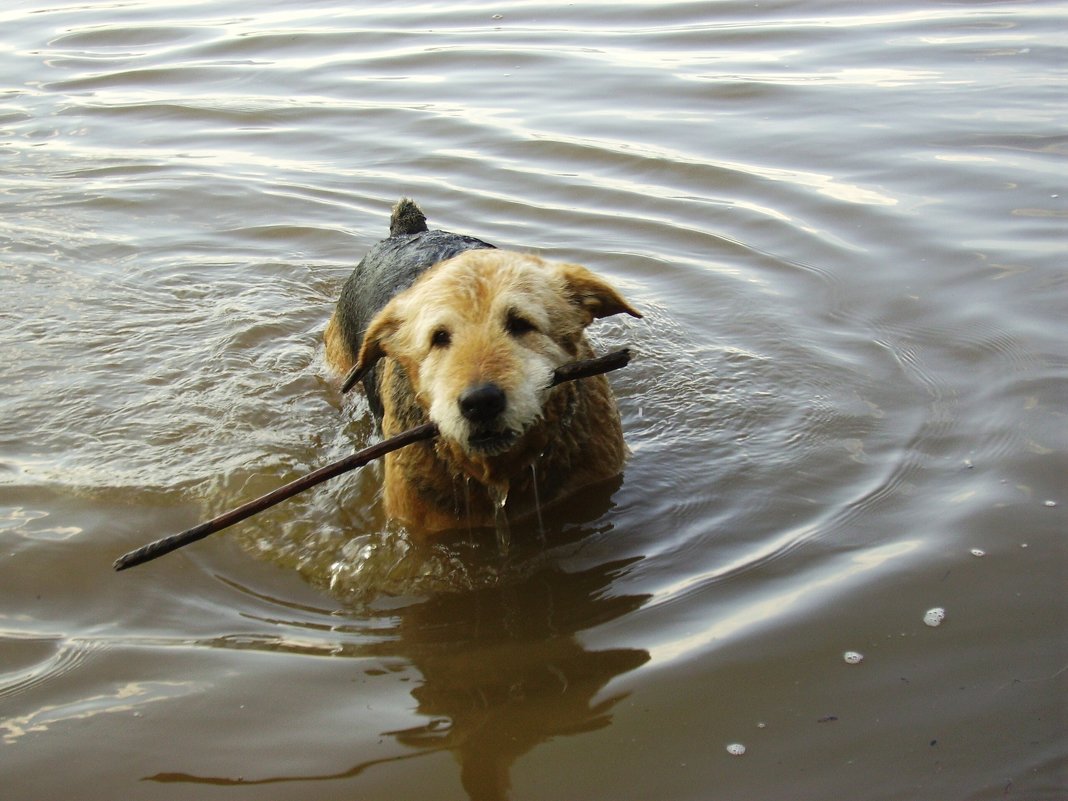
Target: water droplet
[
  {"x": 498, "y": 494},
  {"x": 537, "y": 499},
  {"x": 978, "y": 552},
  {"x": 853, "y": 657},
  {"x": 735, "y": 749},
  {"x": 934, "y": 617}
]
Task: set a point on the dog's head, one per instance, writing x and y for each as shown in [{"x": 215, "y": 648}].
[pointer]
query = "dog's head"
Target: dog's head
[{"x": 479, "y": 336}]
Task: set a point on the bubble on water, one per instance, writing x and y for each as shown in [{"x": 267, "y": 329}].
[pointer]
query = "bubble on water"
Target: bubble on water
[
  {"x": 1050, "y": 504},
  {"x": 853, "y": 657},
  {"x": 762, "y": 725},
  {"x": 934, "y": 617},
  {"x": 735, "y": 749},
  {"x": 978, "y": 552}
]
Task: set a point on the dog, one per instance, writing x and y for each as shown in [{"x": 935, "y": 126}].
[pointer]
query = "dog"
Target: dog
[{"x": 449, "y": 329}]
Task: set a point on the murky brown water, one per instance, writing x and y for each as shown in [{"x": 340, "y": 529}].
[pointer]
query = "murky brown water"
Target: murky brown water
[{"x": 846, "y": 226}]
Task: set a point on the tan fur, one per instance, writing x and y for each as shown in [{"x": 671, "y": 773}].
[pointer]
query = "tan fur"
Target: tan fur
[
  {"x": 570, "y": 434},
  {"x": 338, "y": 355}
]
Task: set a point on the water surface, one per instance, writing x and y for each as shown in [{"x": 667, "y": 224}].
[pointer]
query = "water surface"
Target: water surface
[{"x": 845, "y": 225}]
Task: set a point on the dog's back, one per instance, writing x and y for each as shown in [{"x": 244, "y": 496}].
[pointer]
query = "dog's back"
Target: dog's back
[{"x": 391, "y": 266}]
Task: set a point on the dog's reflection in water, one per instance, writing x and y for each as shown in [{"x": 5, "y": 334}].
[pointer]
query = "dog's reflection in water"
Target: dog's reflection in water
[{"x": 502, "y": 670}]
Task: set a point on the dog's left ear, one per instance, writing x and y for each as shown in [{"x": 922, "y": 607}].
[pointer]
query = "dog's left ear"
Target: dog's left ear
[
  {"x": 373, "y": 347},
  {"x": 593, "y": 294}
]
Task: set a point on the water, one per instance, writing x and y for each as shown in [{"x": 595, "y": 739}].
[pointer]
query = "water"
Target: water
[{"x": 845, "y": 226}]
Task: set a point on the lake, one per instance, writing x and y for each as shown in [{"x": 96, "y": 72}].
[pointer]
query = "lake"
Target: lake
[{"x": 836, "y": 563}]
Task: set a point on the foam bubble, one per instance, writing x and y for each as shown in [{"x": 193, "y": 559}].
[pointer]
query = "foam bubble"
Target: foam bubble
[{"x": 934, "y": 617}]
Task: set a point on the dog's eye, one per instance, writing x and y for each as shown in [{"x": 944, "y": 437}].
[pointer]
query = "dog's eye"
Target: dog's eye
[
  {"x": 441, "y": 338},
  {"x": 517, "y": 325}
]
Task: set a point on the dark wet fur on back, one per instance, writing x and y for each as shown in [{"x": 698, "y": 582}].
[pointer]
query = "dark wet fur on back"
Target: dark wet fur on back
[{"x": 390, "y": 266}]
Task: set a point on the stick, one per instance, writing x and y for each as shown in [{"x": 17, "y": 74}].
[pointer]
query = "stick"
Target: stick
[
  {"x": 160, "y": 547},
  {"x": 153, "y": 550},
  {"x": 585, "y": 368}
]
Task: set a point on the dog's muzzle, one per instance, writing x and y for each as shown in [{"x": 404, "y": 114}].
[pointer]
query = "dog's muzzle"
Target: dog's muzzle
[{"x": 483, "y": 407}]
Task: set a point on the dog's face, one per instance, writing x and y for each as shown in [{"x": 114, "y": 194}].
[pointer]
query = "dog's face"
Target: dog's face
[{"x": 479, "y": 336}]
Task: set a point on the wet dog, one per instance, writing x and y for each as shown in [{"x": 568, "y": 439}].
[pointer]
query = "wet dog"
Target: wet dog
[{"x": 449, "y": 329}]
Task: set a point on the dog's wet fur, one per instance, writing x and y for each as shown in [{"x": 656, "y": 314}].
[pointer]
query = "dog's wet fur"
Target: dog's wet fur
[{"x": 450, "y": 329}]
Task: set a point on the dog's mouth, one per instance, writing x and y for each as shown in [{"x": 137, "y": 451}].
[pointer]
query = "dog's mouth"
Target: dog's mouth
[{"x": 489, "y": 442}]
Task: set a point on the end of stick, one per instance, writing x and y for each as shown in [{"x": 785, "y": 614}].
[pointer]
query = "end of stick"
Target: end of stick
[
  {"x": 355, "y": 374},
  {"x": 131, "y": 559}
]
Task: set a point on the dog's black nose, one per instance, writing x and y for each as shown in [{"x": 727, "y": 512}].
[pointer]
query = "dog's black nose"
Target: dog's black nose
[{"x": 482, "y": 403}]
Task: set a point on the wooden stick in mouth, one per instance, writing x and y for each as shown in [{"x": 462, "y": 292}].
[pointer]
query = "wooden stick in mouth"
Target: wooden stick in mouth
[{"x": 153, "y": 550}]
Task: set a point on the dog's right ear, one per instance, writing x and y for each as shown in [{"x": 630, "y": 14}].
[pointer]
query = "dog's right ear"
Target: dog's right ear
[{"x": 382, "y": 327}]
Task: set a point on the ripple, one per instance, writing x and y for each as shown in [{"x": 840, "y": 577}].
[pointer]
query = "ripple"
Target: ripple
[
  {"x": 24, "y": 522},
  {"x": 810, "y": 590},
  {"x": 124, "y": 698},
  {"x": 67, "y": 656},
  {"x": 124, "y": 39}
]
